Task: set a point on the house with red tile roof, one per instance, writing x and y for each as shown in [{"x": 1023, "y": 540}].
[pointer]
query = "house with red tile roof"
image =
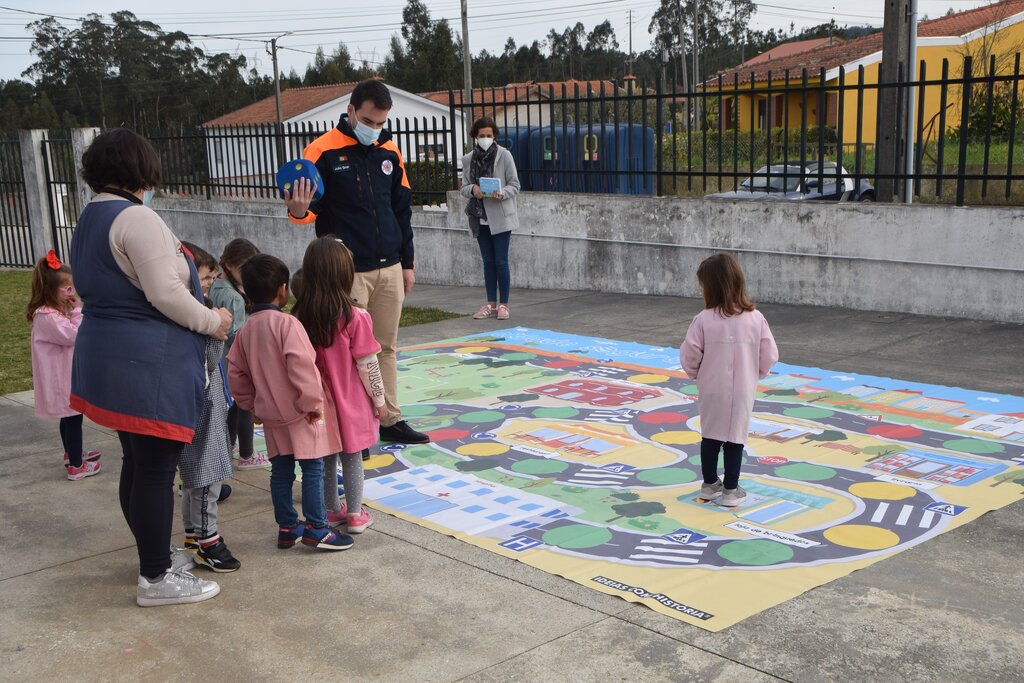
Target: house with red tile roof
[
  {"x": 242, "y": 149},
  {"x": 765, "y": 93},
  {"x": 525, "y": 104}
]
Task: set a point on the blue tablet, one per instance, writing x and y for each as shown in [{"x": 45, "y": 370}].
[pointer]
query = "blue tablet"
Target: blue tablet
[{"x": 293, "y": 171}]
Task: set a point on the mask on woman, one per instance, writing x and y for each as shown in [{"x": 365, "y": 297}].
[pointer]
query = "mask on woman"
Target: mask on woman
[
  {"x": 147, "y": 197},
  {"x": 484, "y": 143}
]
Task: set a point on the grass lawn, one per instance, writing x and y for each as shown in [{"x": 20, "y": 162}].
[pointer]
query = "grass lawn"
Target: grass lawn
[{"x": 16, "y": 353}]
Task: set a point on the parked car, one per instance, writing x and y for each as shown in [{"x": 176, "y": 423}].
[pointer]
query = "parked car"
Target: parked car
[{"x": 793, "y": 183}]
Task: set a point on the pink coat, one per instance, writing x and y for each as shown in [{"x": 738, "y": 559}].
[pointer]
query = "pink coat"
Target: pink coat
[
  {"x": 359, "y": 426},
  {"x": 272, "y": 373},
  {"x": 727, "y": 355},
  {"x": 53, "y": 347}
]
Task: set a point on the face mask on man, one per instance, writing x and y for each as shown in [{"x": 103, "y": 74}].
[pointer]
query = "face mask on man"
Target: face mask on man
[
  {"x": 366, "y": 135},
  {"x": 485, "y": 143}
]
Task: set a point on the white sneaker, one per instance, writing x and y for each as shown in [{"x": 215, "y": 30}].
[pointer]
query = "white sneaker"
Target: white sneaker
[
  {"x": 174, "y": 588},
  {"x": 711, "y": 491},
  {"x": 732, "y": 497}
]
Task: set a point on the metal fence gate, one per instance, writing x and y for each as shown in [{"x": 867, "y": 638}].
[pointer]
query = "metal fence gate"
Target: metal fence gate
[
  {"x": 15, "y": 232},
  {"x": 62, "y": 190}
]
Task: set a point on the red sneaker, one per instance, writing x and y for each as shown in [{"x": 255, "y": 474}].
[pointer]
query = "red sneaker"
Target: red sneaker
[{"x": 86, "y": 470}]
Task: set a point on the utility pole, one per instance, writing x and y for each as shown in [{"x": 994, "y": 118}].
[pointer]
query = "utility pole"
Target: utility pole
[
  {"x": 895, "y": 48},
  {"x": 467, "y": 72},
  {"x": 682, "y": 58},
  {"x": 908, "y": 187},
  {"x": 696, "y": 63},
  {"x": 279, "y": 128},
  {"x": 630, "y": 60}
]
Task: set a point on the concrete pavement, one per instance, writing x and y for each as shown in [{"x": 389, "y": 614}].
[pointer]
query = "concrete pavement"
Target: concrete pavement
[{"x": 408, "y": 604}]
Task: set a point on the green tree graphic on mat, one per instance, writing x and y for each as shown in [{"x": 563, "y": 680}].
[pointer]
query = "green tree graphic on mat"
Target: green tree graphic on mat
[
  {"x": 637, "y": 509},
  {"x": 515, "y": 398},
  {"x": 1014, "y": 477},
  {"x": 826, "y": 435}
]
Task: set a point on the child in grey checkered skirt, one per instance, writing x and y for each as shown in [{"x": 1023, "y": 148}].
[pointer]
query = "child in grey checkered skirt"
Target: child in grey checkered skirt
[{"x": 206, "y": 462}]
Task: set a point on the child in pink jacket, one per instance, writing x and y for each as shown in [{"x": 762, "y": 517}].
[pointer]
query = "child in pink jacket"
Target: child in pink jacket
[
  {"x": 728, "y": 347},
  {"x": 56, "y": 313},
  {"x": 346, "y": 355},
  {"x": 272, "y": 373}
]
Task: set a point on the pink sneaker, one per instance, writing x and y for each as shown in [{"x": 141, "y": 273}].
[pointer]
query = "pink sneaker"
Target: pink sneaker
[
  {"x": 86, "y": 457},
  {"x": 502, "y": 312},
  {"x": 87, "y": 469},
  {"x": 257, "y": 462},
  {"x": 335, "y": 519},
  {"x": 357, "y": 523},
  {"x": 486, "y": 311}
]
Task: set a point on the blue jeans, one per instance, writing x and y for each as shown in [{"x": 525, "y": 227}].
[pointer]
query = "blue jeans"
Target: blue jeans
[
  {"x": 282, "y": 476},
  {"x": 494, "y": 251}
]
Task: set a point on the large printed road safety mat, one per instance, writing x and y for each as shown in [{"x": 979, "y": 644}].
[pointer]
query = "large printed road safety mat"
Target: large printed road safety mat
[{"x": 580, "y": 456}]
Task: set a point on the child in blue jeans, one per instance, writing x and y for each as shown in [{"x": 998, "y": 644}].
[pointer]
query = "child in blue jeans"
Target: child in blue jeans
[{"x": 272, "y": 372}]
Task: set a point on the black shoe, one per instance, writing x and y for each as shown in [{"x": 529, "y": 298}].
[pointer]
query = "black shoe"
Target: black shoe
[
  {"x": 217, "y": 557},
  {"x": 225, "y": 491},
  {"x": 401, "y": 432}
]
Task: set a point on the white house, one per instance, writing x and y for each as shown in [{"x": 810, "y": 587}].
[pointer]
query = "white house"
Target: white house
[{"x": 242, "y": 146}]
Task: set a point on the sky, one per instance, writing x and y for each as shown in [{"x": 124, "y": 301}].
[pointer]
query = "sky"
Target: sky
[{"x": 366, "y": 28}]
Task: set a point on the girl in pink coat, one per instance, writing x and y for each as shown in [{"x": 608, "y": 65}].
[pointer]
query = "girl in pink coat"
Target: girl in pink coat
[
  {"x": 272, "y": 373},
  {"x": 56, "y": 313},
  {"x": 346, "y": 355},
  {"x": 727, "y": 349}
]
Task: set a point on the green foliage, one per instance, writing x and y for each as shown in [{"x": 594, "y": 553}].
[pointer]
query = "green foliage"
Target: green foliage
[
  {"x": 626, "y": 495},
  {"x": 127, "y": 71},
  {"x": 429, "y": 180}
]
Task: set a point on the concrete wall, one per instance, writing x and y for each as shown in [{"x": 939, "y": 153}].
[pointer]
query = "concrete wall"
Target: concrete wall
[{"x": 933, "y": 260}]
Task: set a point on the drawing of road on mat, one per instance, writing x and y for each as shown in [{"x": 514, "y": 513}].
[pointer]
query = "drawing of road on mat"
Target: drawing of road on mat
[{"x": 580, "y": 456}]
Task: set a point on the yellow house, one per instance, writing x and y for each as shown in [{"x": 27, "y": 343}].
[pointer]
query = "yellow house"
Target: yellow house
[{"x": 758, "y": 96}]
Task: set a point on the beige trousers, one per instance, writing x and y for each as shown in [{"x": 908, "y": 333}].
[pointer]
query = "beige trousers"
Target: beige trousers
[{"x": 381, "y": 293}]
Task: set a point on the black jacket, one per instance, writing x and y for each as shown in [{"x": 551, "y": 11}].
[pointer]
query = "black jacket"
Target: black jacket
[{"x": 367, "y": 200}]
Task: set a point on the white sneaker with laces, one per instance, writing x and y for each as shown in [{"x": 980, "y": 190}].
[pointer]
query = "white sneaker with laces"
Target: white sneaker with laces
[
  {"x": 711, "y": 491},
  {"x": 732, "y": 497},
  {"x": 174, "y": 588}
]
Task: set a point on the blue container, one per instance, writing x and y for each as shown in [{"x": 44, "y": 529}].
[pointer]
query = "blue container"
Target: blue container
[{"x": 592, "y": 158}]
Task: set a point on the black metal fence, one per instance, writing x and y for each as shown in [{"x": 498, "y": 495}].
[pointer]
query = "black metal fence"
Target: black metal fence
[
  {"x": 966, "y": 124},
  {"x": 636, "y": 138},
  {"x": 242, "y": 161},
  {"x": 15, "y": 231}
]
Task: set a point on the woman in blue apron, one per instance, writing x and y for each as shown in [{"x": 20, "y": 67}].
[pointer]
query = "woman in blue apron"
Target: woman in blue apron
[{"x": 139, "y": 363}]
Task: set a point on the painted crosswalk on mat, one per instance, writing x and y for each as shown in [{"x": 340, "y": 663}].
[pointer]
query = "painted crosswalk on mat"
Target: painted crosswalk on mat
[{"x": 580, "y": 456}]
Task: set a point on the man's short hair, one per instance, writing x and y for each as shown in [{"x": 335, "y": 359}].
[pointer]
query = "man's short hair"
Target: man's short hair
[{"x": 373, "y": 90}]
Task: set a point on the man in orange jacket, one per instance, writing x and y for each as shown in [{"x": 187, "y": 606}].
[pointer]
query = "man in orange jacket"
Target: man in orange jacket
[{"x": 367, "y": 203}]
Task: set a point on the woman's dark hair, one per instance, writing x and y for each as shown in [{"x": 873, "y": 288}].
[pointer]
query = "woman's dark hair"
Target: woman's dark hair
[
  {"x": 45, "y": 282},
  {"x": 723, "y": 285},
  {"x": 481, "y": 123},
  {"x": 374, "y": 90},
  {"x": 262, "y": 276},
  {"x": 121, "y": 158},
  {"x": 200, "y": 256},
  {"x": 327, "y": 273}
]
